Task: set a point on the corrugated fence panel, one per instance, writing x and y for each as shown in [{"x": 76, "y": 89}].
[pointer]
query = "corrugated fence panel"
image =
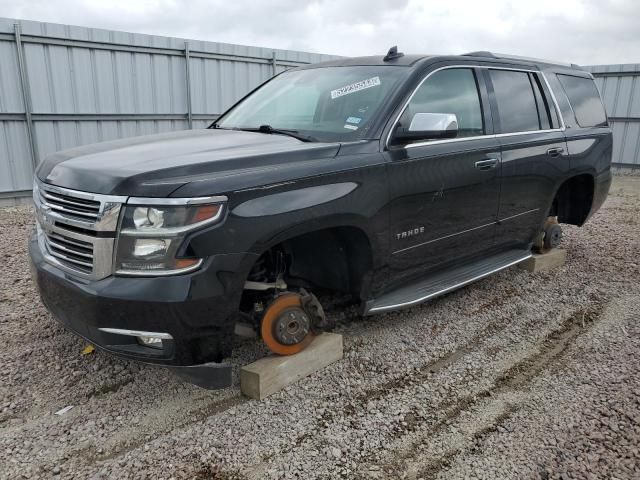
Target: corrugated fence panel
[
  {"x": 619, "y": 86},
  {"x": 15, "y": 163},
  {"x": 10, "y": 92},
  {"x": 89, "y": 85}
]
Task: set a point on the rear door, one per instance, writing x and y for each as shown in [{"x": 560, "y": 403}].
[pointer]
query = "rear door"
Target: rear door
[{"x": 534, "y": 153}]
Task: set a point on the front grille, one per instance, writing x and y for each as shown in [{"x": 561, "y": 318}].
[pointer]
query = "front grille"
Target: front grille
[
  {"x": 73, "y": 253},
  {"x": 71, "y": 206},
  {"x": 76, "y": 230}
]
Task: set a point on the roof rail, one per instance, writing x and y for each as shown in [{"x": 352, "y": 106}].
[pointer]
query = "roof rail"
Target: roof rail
[
  {"x": 518, "y": 57},
  {"x": 479, "y": 53}
]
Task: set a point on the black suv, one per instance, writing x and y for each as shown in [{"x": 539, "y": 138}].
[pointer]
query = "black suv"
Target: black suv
[{"x": 388, "y": 179}]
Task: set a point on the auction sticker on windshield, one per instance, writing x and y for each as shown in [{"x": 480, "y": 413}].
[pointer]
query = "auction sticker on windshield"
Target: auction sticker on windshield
[{"x": 355, "y": 87}]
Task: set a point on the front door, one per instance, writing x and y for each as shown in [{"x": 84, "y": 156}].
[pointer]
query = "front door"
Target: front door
[{"x": 444, "y": 193}]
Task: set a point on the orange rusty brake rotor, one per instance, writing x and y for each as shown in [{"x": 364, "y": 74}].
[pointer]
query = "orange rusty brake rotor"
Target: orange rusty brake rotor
[{"x": 281, "y": 305}]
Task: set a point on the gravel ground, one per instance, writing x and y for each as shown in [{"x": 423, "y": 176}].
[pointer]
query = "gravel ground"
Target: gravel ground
[{"x": 517, "y": 376}]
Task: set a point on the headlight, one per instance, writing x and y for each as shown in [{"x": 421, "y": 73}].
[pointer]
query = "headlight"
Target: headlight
[{"x": 151, "y": 234}]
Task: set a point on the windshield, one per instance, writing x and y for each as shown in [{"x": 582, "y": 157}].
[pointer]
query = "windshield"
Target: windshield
[{"x": 323, "y": 104}]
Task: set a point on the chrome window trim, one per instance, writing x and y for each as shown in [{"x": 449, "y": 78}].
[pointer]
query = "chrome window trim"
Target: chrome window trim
[{"x": 477, "y": 137}]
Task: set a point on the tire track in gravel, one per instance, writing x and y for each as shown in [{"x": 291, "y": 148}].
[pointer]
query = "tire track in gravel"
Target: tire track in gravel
[
  {"x": 394, "y": 385},
  {"x": 159, "y": 423},
  {"x": 502, "y": 399},
  {"x": 423, "y": 372}
]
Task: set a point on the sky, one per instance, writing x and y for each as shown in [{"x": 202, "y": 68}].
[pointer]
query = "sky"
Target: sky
[{"x": 586, "y": 32}]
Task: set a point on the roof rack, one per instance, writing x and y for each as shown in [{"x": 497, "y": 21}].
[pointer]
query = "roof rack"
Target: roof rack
[
  {"x": 479, "y": 53},
  {"x": 484, "y": 53}
]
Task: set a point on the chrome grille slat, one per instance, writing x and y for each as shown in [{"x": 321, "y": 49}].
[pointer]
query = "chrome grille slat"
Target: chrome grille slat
[
  {"x": 60, "y": 208},
  {"x": 71, "y": 252},
  {"x": 64, "y": 202},
  {"x": 77, "y": 243},
  {"x": 59, "y": 246},
  {"x": 67, "y": 258},
  {"x": 68, "y": 225}
]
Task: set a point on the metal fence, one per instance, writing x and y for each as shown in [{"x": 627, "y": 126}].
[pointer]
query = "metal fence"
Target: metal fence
[
  {"x": 619, "y": 86},
  {"x": 62, "y": 86}
]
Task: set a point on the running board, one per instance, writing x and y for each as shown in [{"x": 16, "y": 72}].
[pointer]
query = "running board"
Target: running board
[{"x": 444, "y": 282}]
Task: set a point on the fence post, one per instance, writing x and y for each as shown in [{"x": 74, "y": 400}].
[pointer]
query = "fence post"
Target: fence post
[
  {"x": 188, "y": 78},
  {"x": 26, "y": 97},
  {"x": 274, "y": 64}
]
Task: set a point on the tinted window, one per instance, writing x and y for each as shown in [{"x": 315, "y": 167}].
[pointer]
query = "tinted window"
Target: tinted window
[
  {"x": 585, "y": 100},
  {"x": 449, "y": 91},
  {"x": 516, "y": 102}
]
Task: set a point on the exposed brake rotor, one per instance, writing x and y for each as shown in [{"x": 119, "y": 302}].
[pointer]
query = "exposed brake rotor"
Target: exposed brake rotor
[
  {"x": 286, "y": 327},
  {"x": 291, "y": 320},
  {"x": 550, "y": 236}
]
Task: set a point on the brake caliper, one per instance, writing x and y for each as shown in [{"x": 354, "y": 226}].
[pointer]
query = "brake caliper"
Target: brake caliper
[{"x": 312, "y": 307}]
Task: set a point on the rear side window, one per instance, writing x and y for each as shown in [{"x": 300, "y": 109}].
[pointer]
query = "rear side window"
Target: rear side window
[
  {"x": 449, "y": 91},
  {"x": 516, "y": 101},
  {"x": 585, "y": 100}
]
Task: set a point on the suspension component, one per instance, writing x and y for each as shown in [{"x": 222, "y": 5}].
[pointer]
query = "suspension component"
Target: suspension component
[{"x": 311, "y": 305}]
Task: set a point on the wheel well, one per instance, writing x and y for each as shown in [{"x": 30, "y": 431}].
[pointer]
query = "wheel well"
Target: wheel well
[
  {"x": 573, "y": 201},
  {"x": 337, "y": 259}
]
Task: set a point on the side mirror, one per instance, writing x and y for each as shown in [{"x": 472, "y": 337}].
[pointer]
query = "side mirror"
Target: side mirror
[{"x": 426, "y": 126}]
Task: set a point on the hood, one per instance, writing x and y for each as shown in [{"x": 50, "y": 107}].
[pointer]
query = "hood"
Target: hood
[{"x": 157, "y": 165}]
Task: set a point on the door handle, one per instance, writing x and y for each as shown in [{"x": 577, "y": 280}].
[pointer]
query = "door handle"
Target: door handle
[
  {"x": 487, "y": 164},
  {"x": 555, "y": 152}
]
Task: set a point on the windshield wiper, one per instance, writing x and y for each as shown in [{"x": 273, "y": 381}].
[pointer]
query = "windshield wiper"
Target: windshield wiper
[{"x": 279, "y": 131}]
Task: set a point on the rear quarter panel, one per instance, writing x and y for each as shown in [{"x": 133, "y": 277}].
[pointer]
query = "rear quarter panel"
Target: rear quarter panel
[{"x": 590, "y": 149}]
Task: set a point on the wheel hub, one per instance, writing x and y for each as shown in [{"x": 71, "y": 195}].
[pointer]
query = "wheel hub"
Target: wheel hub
[
  {"x": 291, "y": 326},
  {"x": 552, "y": 236}
]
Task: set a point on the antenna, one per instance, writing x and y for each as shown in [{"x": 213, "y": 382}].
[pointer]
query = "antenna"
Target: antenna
[{"x": 392, "y": 54}]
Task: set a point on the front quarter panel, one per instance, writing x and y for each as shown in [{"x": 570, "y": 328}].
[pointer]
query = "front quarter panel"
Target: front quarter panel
[{"x": 258, "y": 218}]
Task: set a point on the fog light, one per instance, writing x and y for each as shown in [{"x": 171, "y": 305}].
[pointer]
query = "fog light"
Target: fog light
[{"x": 153, "y": 342}]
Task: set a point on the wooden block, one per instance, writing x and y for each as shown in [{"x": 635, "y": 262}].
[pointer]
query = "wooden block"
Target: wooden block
[
  {"x": 545, "y": 261},
  {"x": 271, "y": 374}
]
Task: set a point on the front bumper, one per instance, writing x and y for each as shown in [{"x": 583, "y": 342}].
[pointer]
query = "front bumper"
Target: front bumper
[{"x": 198, "y": 310}]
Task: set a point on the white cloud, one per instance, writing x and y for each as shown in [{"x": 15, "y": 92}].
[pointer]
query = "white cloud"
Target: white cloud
[{"x": 579, "y": 31}]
